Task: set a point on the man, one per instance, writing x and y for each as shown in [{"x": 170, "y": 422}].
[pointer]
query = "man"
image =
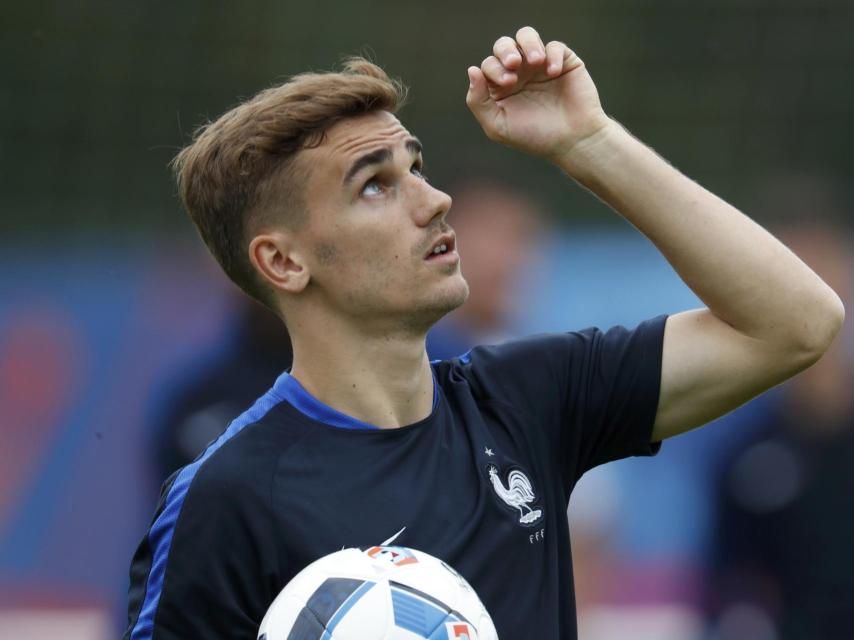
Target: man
[{"x": 311, "y": 197}]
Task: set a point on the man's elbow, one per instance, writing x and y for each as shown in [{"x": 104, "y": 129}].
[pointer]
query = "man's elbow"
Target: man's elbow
[{"x": 823, "y": 320}]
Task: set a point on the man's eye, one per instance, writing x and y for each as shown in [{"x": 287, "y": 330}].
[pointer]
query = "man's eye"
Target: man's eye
[
  {"x": 418, "y": 170},
  {"x": 372, "y": 187}
]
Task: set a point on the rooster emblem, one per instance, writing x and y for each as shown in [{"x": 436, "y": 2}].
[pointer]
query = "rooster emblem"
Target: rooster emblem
[{"x": 518, "y": 493}]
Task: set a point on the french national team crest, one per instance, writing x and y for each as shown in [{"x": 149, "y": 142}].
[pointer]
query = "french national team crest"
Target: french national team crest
[{"x": 517, "y": 493}]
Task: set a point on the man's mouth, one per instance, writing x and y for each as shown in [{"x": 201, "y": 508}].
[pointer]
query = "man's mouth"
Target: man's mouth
[{"x": 444, "y": 244}]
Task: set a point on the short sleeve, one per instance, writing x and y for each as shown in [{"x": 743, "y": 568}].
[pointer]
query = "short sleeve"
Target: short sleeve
[{"x": 594, "y": 392}]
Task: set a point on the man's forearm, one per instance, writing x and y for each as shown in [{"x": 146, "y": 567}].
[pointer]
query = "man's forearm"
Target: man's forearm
[{"x": 740, "y": 271}]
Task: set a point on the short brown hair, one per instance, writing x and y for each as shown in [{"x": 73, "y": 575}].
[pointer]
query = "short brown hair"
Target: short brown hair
[{"x": 240, "y": 169}]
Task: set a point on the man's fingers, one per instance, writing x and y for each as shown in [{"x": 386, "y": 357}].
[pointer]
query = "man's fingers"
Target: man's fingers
[
  {"x": 497, "y": 73},
  {"x": 479, "y": 101},
  {"x": 507, "y": 52},
  {"x": 554, "y": 57},
  {"x": 531, "y": 44},
  {"x": 478, "y": 95}
]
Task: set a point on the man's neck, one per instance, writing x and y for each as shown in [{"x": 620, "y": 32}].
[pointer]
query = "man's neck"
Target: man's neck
[{"x": 384, "y": 380}]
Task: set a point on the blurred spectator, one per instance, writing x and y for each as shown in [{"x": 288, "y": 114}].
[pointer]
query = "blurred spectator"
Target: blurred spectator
[
  {"x": 783, "y": 564},
  {"x": 497, "y": 231},
  {"x": 204, "y": 403}
]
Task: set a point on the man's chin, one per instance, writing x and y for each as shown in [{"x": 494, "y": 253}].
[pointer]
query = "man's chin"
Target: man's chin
[
  {"x": 445, "y": 301},
  {"x": 427, "y": 312}
]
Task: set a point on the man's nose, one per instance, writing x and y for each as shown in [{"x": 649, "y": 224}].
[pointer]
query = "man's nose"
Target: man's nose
[{"x": 436, "y": 204}]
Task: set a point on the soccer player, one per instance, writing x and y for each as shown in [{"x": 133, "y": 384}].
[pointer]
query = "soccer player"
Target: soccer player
[{"x": 311, "y": 197}]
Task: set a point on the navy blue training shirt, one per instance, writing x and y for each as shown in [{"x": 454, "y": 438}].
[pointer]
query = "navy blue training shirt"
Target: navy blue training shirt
[{"x": 483, "y": 483}]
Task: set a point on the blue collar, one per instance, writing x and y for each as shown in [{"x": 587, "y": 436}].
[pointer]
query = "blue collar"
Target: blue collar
[{"x": 293, "y": 392}]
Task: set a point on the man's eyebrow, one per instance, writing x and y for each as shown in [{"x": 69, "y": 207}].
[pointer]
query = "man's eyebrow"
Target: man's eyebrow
[
  {"x": 374, "y": 157},
  {"x": 414, "y": 145},
  {"x": 379, "y": 156}
]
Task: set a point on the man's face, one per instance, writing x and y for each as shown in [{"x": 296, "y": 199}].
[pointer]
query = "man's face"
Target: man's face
[{"x": 373, "y": 221}]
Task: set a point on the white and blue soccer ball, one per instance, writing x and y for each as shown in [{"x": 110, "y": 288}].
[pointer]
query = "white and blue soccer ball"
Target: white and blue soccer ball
[{"x": 382, "y": 593}]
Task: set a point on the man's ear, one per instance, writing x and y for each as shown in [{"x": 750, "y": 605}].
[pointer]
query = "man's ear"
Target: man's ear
[{"x": 275, "y": 257}]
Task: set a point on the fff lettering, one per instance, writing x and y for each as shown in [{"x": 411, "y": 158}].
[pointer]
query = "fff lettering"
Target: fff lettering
[{"x": 537, "y": 536}]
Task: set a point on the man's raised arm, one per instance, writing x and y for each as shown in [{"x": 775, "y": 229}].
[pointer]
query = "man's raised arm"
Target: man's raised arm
[{"x": 769, "y": 316}]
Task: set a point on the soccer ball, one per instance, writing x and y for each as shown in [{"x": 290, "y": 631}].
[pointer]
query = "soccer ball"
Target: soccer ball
[{"x": 382, "y": 593}]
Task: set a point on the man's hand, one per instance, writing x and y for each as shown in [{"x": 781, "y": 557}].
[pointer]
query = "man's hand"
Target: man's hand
[{"x": 534, "y": 97}]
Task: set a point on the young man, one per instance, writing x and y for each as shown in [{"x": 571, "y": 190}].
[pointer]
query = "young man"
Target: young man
[{"x": 311, "y": 197}]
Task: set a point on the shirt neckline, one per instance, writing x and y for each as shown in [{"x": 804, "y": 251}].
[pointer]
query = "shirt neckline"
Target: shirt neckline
[{"x": 290, "y": 390}]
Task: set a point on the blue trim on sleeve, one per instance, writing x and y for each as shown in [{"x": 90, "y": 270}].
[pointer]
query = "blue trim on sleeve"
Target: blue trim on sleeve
[
  {"x": 161, "y": 532},
  {"x": 292, "y": 391}
]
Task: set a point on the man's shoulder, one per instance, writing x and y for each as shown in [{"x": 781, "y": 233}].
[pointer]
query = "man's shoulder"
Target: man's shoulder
[
  {"x": 242, "y": 459},
  {"x": 524, "y": 354},
  {"x": 533, "y": 371},
  {"x": 526, "y": 357}
]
